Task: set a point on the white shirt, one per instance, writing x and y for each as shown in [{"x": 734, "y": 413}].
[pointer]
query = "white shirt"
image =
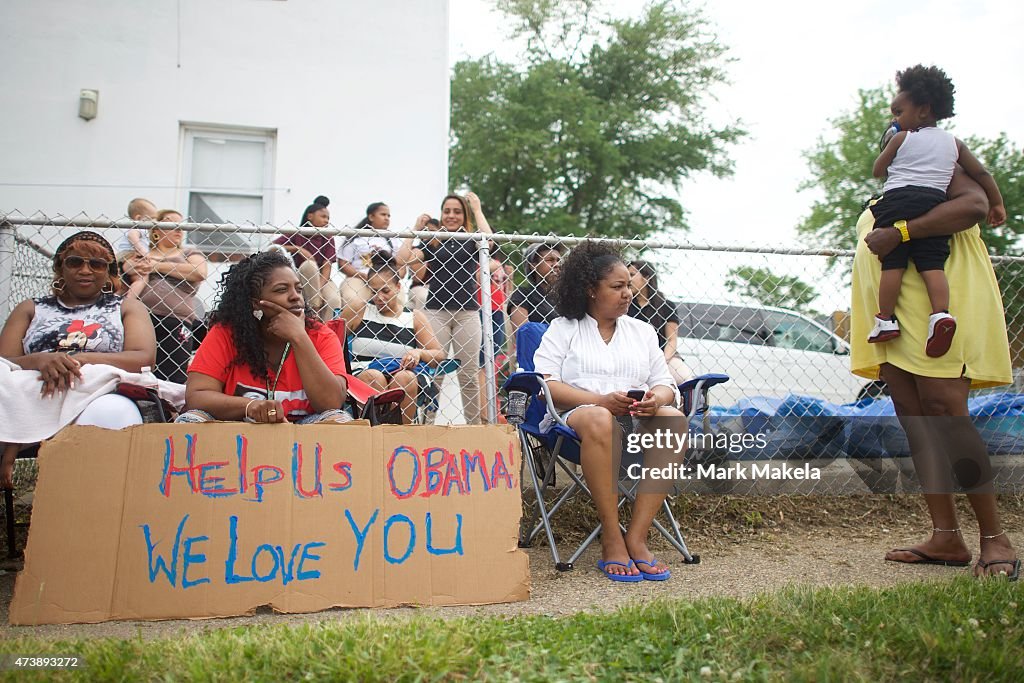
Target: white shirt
[
  {"x": 358, "y": 249},
  {"x": 925, "y": 159},
  {"x": 573, "y": 352}
]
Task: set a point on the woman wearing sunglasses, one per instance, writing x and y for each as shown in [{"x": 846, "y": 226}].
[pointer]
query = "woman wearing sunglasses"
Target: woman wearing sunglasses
[{"x": 83, "y": 321}]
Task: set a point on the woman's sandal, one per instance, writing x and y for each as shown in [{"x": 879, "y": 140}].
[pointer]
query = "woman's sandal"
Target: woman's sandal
[
  {"x": 621, "y": 578},
  {"x": 652, "y": 576},
  {"x": 1012, "y": 576}
]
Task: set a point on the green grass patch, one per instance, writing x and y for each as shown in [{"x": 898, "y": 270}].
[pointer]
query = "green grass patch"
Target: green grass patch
[{"x": 962, "y": 630}]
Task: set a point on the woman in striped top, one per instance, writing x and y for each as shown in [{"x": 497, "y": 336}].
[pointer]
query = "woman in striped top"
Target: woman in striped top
[{"x": 382, "y": 329}]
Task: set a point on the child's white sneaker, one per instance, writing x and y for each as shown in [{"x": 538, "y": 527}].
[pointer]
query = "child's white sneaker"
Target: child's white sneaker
[
  {"x": 941, "y": 328},
  {"x": 884, "y": 330}
]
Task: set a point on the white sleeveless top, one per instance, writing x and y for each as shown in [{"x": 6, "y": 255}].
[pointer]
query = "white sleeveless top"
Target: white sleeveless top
[
  {"x": 925, "y": 159},
  {"x": 381, "y": 337}
]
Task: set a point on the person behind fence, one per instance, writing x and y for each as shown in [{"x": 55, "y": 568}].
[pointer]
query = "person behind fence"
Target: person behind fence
[
  {"x": 591, "y": 356},
  {"x": 82, "y": 321},
  {"x": 133, "y": 241},
  {"x": 132, "y": 249},
  {"x": 314, "y": 256},
  {"x": 357, "y": 252},
  {"x": 917, "y": 163},
  {"x": 266, "y": 357},
  {"x": 398, "y": 340},
  {"x": 651, "y": 306},
  {"x": 930, "y": 394},
  {"x": 451, "y": 305},
  {"x": 532, "y": 301},
  {"x": 170, "y": 295},
  {"x": 499, "y": 297},
  {"x": 419, "y": 273}
]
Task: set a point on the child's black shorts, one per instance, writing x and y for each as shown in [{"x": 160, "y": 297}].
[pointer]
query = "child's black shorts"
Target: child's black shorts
[{"x": 905, "y": 203}]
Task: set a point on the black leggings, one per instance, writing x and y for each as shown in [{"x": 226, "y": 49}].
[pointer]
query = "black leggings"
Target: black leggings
[{"x": 173, "y": 347}]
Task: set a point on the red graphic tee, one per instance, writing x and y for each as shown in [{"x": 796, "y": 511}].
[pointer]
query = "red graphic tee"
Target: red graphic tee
[{"x": 217, "y": 357}]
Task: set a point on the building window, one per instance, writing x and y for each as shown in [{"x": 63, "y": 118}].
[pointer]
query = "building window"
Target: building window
[{"x": 227, "y": 173}]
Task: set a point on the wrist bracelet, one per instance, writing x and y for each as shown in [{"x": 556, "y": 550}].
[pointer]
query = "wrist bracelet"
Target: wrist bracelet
[{"x": 247, "y": 418}]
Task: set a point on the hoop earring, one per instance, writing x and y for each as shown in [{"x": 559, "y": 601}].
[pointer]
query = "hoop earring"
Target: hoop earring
[
  {"x": 107, "y": 288},
  {"x": 58, "y": 285}
]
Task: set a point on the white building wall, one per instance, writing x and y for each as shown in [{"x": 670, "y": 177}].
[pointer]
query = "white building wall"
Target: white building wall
[{"x": 357, "y": 91}]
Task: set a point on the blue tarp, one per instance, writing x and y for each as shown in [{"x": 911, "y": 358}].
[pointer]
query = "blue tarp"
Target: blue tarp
[{"x": 804, "y": 427}]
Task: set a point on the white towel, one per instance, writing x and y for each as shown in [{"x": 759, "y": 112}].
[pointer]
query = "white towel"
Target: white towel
[{"x": 27, "y": 418}]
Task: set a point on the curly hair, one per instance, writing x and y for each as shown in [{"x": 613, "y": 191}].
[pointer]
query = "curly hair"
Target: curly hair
[
  {"x": 240, "y": 286},
  {"x": 928, "y": 85},
  {"x": 582, "y": 269}
]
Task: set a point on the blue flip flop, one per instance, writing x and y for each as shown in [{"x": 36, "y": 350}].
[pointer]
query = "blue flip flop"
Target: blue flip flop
[
  {"x": 652, "y": 576},
  {"x": 622, "y": 578}
]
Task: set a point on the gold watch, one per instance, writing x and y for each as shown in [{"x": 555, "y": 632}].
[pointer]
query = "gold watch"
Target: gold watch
[{"x": 902, "y": 227}]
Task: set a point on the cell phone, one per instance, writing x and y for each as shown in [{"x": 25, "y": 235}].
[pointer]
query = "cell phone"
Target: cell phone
[{"x": 636, "y": 394}]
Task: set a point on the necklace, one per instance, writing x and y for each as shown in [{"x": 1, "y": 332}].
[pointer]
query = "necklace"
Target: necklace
[{"x": 272, "y": 388}]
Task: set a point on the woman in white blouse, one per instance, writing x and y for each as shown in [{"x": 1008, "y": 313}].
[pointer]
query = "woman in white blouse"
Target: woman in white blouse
[{"x": 591, "y": 356}]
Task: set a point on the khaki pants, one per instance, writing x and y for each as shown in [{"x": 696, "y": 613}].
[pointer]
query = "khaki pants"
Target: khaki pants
[
  {"x": 462, "y": 330},
  {"x": 323, "y": 299}
]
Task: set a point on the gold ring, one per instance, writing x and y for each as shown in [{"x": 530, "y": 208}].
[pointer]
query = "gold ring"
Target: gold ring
[{"x": 272, "y": 412}]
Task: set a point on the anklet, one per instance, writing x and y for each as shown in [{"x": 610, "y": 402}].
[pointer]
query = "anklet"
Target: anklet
[
  {"x": 989, "y": 538},
  {"x": 948, "y": 531}
]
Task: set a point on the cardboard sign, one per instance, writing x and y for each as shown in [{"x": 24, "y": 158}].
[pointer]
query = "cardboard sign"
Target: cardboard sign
[{"x": 196, "y": 521}]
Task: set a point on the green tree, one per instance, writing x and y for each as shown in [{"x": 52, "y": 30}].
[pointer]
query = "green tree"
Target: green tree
[
  {"x": 596, "y": 130},
  {"x": 840, "y": 169},
  {"x": 764, "y": 286}
]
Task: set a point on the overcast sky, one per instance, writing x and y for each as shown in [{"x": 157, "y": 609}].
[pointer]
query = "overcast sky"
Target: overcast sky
[{"x": 800, "y": 63}]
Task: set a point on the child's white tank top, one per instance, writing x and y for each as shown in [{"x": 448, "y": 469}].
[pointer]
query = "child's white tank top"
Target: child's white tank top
[{"x": 925, "y": 159}]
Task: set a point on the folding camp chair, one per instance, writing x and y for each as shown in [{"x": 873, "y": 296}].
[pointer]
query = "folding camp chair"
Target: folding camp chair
[
  {"x": 379, "y": 407},
  {"x": 427, "y": 399},
  {"x": 529, "y": 401}
]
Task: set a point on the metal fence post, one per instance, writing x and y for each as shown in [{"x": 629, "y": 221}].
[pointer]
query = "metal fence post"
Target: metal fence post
[
  {"x": 487, "y": 327},
  {"x": 7, "y": 246}
]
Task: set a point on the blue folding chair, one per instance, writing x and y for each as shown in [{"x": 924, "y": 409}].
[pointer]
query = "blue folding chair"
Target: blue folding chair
[
  {"x": 428, "y": 397},
  {"x": 528, "y": 402}
]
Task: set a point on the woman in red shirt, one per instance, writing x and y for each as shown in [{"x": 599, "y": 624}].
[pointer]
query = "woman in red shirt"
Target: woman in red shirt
[{"x": 266, "y": 358}]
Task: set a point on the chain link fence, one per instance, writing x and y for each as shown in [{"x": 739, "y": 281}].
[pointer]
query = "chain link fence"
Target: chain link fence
[{"x": 775, "y": 320}]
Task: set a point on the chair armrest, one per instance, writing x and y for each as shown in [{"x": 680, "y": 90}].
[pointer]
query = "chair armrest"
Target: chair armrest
[
  {"x": 705, "y": 381},
  {"x": 533, "y": 384},
  {"x": 530, "y": 382},
  {"x": 359, "y": 390},
  {"x": 696, "y": 387}
]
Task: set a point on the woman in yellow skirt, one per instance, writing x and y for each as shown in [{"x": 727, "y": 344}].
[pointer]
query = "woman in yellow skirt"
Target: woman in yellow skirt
[{"x": 937, "y": 388}]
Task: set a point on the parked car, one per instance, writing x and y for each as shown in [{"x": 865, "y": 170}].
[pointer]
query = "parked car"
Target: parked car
[{"x": 768, "y": 351}]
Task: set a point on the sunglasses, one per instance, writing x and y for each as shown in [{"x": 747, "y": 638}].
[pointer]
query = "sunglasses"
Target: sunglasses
[{"x": 76, "y": 262}]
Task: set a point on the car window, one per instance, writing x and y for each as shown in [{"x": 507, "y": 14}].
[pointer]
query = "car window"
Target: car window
[
  {"x": 792, "y": 332},
  {"x": 712, "y": 322}
]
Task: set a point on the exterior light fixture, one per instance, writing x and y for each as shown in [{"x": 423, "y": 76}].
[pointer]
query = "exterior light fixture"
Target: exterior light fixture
[{"x": 88, "y": 103}]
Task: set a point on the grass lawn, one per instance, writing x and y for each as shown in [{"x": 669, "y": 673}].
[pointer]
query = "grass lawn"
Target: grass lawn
[{"x": 962, "y": 629}]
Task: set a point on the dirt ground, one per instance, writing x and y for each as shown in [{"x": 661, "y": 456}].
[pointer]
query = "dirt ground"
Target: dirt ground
[{"x": 747, "y": 546}]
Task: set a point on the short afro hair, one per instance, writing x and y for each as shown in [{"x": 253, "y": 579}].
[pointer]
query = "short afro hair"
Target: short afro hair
[
  {"x": 582, "y": 269},
  {"x": 928, "y": 85}
]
